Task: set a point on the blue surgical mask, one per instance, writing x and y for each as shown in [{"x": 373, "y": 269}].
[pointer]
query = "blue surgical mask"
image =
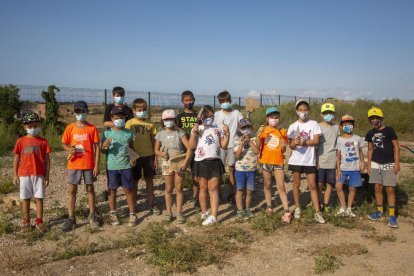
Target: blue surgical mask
[
  {"x": 208, "y": 121},
  {"x": 169, "y": 124},
  {"x": 328, "y": 117},
  {"x": 81, "y": 117},
  {"x": 141, "y": 114},
  {"x": 120, "y": 123},
  {"x": 348, "y": 128},
  {"x": 119, "y": 100},
  {"x": 33, "y": 131},
  {"x": 225, "y": 105}
]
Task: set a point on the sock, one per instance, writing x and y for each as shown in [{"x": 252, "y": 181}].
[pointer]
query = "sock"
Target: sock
[
  {"x": 39, "y": 221},
  {"x": 380, "y": 208},
  {"x": 391, "y": 210}
]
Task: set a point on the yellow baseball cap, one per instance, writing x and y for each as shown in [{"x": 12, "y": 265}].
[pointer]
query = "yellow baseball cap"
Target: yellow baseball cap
[
  {"x": 327, "y": 107},
  {"x": 375, "y": 111}
]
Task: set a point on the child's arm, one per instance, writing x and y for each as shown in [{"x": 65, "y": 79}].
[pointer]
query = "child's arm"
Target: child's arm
[
  {"x": 238, "y": 151},
  {"x": 253, "y": 146},
  {"x": 258, "y": 134},
  {"x": 361, "y": 160},
  {"x": 105, "y": 144},
  {"x": 224, "y": 141},
  {"x": 16, "y": 162},
  {"x": 311, "y": 143},
  {"x": 47, "y": 167},
  {"x": 152, "y": 137},
  {"x": 97, "y": 158},
  {"x": 396, "y": 146},
  {"x": 188, "y": 153},
  {"x": 157, "y": 150},
  {"x": 193, "y": 140},
  {"x": 338, "y": 165},
  {"x": 369, "y": 157},
  {"x": 70, "y": 150}
]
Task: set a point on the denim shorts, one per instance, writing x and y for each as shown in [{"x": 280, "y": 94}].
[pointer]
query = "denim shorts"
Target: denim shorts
[
  {"x": 326, "y": 176},
  {"x": 351, "y": 178},
  {"x": 245, "y": 180},
  {"x": 120, "y": 178}
]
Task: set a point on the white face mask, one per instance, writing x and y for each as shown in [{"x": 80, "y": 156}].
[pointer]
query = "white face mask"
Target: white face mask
[
  {"x": 208, "y": 121},
  {"x": 141, "y": 114},
  {"x": 302, "y": 115},
  {"x": 119, "y": 123},
  {"x": 33, "y": 131},
  {"x": 169, "y": 124},
  {"x": 81, "y": 117},
  {"x": 119, "y": 100}
]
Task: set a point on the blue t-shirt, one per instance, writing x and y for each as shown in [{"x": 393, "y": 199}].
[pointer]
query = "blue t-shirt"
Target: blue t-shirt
[{"x": 117, "y": 157}]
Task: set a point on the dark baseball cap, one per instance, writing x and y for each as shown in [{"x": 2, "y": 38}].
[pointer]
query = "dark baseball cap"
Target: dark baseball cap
[
  {"x": 117, "y": 110},
  {"x": 80, "y": 105}
]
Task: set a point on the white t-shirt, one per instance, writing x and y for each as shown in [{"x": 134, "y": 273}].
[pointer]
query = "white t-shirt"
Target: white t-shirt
[
  {"x": 303, "y": 156},
  {"x": 208, "y": 145},
  {"x": 231, "y": 119}
]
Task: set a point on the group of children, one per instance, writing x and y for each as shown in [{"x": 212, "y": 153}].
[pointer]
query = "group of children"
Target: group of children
[{"x": 205, "y": 142}]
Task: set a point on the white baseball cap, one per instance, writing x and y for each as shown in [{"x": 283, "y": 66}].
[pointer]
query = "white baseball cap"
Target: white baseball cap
[{"x": 168, "y": 114}]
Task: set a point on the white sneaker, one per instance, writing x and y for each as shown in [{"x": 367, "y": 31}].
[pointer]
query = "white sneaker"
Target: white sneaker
[
  {"x": 298, "y": 213},
  {"x": 210, "y": 221},
  {"x": 349, "y": 213},
  {"x": 205, "y": 215},
  {"x": 341, "y": 213},
  {"x": 318, "y": 217}
]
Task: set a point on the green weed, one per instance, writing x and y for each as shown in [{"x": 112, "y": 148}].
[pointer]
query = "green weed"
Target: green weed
[
  {"x": 373, "y": 235},
  {"x": 326, "y": 263},
  {"x": 266, "y": 223},
  {"x": 6, "y": 185}
]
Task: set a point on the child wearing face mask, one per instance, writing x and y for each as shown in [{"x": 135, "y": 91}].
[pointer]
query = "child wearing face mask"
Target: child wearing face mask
[
  {"x": 303, "y": 138},
  {"x": 246, "y": 151},
  {"x": 80, "y": 140},
  {"x": 208, "y": 140},
  {"x": 169, "y": 143},
  {"x": 383, "y": 164},
  {"x": 272, "y": 143},
  {"x": 116, "y": 143},
  {"x": 349, "y": 164},
  {"x": 31, "y": 168},
  {"x": 144, "y": 141},
  {"x": 118, "y": 94},
  {"x": 326, "y": 154}
]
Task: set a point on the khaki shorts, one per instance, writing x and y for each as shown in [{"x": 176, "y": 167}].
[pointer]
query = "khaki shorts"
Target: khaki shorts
[{"x": 383, "y": 174}]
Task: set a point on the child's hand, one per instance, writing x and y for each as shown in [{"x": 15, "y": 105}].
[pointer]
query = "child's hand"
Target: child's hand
[
  {"x": 396, "y": 168},
  {"x": 297, "y": 141},
  {"x": 260, "y": 130},
  {"x": 362, "y": 166},
  {"x": 246, "y": 138},
  {"x": 96, "y": 171},
  {"x": 46, "y": 181},
  {"x": 16, "y": 180},
  {"x": 369, "y": 169},
  {"x": 71, "y": 151},
  {"x": 133, "y": 163},
  {"x": 338, "y": 175},
  {"x": 155, "y": 164},
  {"x": 225, "y": 129},
  {"x": 107, "y": 143},
  {"x": 195, "y": 129}
]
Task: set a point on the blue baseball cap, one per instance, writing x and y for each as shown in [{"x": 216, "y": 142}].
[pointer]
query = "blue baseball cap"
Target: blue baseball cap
[{"x": 272, "y": 109}]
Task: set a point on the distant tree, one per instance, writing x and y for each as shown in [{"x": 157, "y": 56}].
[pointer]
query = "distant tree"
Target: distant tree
[
  {"x": 10, "y": 103},
  {"x": 52, "y": 110}
]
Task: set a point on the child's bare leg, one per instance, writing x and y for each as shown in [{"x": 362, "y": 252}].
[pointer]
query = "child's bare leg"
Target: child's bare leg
[
  {"x": 149, "y": 183},
  {"x": 112, "y": 199},
  {"x": 248, "y": 199},
  {"x": 195, "y": 187},
  {"x": 351, "y": 196},
  {"x": 73, "y": 190},
  {"x": 39, "y": 207},
  {"x": 214, "y": 195},
  {"x": 232, "y": 181},
  {"x": 280, "y": 184},
  {"x": 169, "y": 186},
  {"x": 91, "y": 198},
  {"x": 179, "y": 191},
  {"x": 313, "y": 191},
  {"x": 26, "y": 209},
  {"x": 203, "y": 194},
  {"x": 239, "y": 199},
  {"x": 296, "y": 185},
  {"x": 267, "y": 187},
  {"x": 341, "y": 194},
  {"x": 327, "y": 195},
  {"x": 390, "y": 195},
  {"x": 320, "y": 192},
  {"x": 129, "y": 194},
  {"x": 378, "y": 194}
]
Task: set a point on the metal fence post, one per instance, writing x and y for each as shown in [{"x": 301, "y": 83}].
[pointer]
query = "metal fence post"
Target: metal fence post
[
  {"x": 279, "y": 99},
  {"x": 149, "y": 102},
  {"x": 295, "y": 99},
  {"x": 309, "y": 99},
  {"x": 261, "y": 100},
  {"x": 105, "y": 99},
  {"x": 214, "y": 101},
  {"x": 240, "y": 101}
]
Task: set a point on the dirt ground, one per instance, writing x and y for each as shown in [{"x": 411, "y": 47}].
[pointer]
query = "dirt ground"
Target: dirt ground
[{"x": 367, "y": 249}]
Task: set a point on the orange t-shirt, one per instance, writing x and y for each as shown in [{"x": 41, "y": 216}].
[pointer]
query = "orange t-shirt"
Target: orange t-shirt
[
  {"x": 83, "y": 140},
  {"x": 271, "y": 150},
  {"x": 32, "y": 151}
]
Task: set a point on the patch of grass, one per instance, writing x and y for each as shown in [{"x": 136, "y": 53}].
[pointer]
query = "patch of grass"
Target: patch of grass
[
  {"x": 365, "y": 209},
  {"x": 326, "y": 263},
  {"x": 6, "y": 185},
  {"x": 6, "y": 224},
  {"x": 373, "y": 235},
  {"x": 406, "y": 186},
  {"x": 54, "y": 234},
  {"x": 341, "y": 249},
  {"x": 406, "y": 159},
  {"x": 265, "y": 223},
  {"x": 82, "y": 250},
  {"x": 342, "y": 222}
]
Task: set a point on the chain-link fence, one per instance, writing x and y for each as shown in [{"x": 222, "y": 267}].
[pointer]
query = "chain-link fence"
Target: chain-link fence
[{"x": 275, "y": 99}]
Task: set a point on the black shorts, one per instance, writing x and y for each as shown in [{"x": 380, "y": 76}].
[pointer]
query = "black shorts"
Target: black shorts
[
  {"x": 208, "y": 168},
  {"x": 302, "y": 169},
  {"x": 326, "y": 176},
  {"x": 146, "y": 165}
]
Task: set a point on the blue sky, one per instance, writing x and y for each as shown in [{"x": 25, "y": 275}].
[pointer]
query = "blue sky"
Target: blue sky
[{"x": 345, "y": 49}]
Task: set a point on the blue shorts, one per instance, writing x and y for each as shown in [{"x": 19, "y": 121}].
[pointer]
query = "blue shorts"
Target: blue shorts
[
  {"x": 120, "y": 178},
  {"x": 351, "y": 178},
  {"x": 245, "y": 180},
  {"x": 326, "y": 176}
]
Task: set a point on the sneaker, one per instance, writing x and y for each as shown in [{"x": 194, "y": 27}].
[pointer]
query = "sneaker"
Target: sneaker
[
  {"x": 392, "y": 222},
  {"x": 168, "y": 217},
  {"x": 114, "y": 218},
  {"x": 155, "y": 210},
  {"x": 210, "y": 221},
  {"x": 133, "y": 220},
  {"x": 41, "y": 227},
  {"x": 318, "y": 217},
  {"x": 205, "y": 215},
  {"x": 69, "y": 224},
  {"x": 341, "y": 213},
  {"x": 240, "y": 215},
  {"x": 287, "y": 217},
  {"x": 298, "y": 212},
  {"x": 377, "y": 215},
  {"x": 350, "y": 214},
  {"x": 248, "y": 214},
  {"x": 26, "y": 226},
  {"x": 269, "y": 211},
  {"x": 93, "y": 220},
  {"x": 180, "y": 218}
]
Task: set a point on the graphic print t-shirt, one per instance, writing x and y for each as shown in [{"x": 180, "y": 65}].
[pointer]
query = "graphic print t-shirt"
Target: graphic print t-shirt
[
  {"x": 83, "y": 140},
  {"x": 303, "y": 155},
  {"x": 142, "y": 130},
  {"x": 382, "y": 144},
  {"x": 248, "y": 159},
  {"x": 171, "y": 142},
  {"x": 208, "y": 146},
  {"x": 117, "y": 157},
  {"x": 186, "y": 121},
  {"x": 32, "y": 151},
  {"x": 349, "y": 148},
  {"x": 271, "y": 150}
]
